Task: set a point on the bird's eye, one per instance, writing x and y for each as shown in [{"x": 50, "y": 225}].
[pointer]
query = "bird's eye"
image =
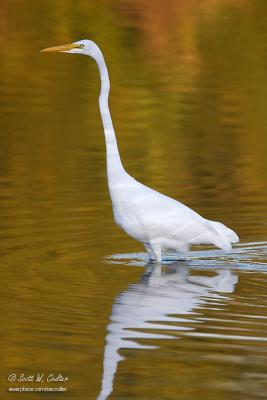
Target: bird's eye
[{"x": 81, "y": 46}]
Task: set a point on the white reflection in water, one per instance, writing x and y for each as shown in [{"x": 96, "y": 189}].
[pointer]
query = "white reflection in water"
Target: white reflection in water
[{"x": 161, "y": 294}]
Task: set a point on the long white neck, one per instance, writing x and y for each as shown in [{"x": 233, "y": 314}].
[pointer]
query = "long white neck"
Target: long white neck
[{"x": 115, "y": 170}]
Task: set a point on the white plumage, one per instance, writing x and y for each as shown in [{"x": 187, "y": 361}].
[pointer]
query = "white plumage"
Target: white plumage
[{"x": 159, "y": 222}]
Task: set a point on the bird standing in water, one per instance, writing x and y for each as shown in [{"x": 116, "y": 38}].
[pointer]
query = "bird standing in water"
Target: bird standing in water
[{"x": 159, "y": 222}]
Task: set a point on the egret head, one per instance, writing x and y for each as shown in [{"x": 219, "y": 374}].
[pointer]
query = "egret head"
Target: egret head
[{"x": 86, "y": 47}]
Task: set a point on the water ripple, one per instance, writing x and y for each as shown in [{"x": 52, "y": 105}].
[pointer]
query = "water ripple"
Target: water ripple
[
  {"x": 193, "y": 298},
  {"x": 245, "y": 256}
]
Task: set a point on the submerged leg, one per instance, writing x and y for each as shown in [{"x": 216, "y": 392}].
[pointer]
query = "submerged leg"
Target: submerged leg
[
  {"x": 150, "y": 253},
  {"x": 156, "y": 250}
]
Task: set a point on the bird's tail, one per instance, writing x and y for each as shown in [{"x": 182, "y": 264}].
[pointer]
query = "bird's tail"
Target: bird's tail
[{"x": 225, "y": 236}]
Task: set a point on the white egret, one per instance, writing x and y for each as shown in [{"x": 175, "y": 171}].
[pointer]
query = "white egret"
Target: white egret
[{"x": 159, "y": 222}]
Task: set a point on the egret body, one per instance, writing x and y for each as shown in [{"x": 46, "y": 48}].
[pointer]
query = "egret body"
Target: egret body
[{"x": 159, "y": 222}]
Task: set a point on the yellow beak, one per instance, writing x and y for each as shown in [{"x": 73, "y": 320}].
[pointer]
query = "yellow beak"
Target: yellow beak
[{"x": 64, "y": 47}]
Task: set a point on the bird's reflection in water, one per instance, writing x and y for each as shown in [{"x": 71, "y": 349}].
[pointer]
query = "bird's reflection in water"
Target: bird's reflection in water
[{"x": 162, "y": 294}]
